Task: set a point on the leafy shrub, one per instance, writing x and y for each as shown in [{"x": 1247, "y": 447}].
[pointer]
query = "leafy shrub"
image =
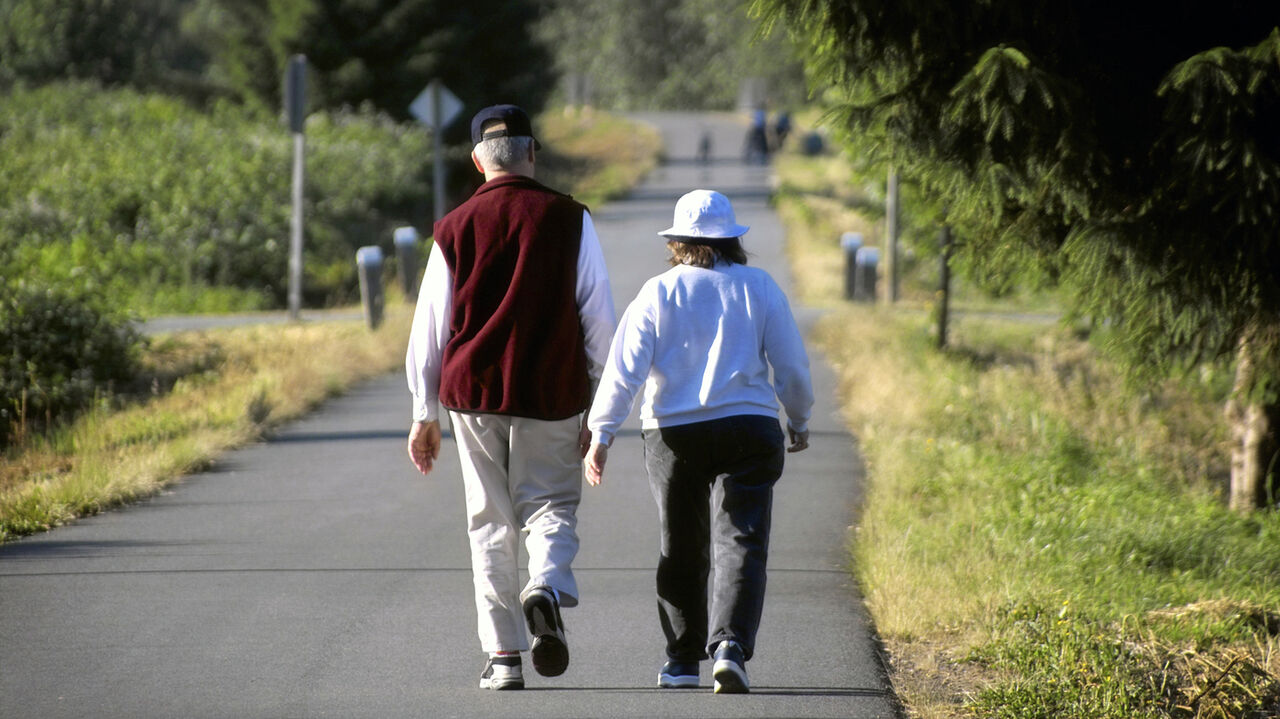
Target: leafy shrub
[
  {"x": 61, "y": 351},
  {"x": 129, "y": 195}
]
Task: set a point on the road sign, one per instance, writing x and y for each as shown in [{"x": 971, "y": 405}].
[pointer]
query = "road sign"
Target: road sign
[
  {"x": 295, "y": 93},
  {"x": 425, "y": 108}
]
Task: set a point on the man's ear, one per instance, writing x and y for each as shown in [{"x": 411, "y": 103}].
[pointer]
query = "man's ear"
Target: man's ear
[
  {"x": 476, "y": 161},
  {"x": 531, "y": 153}
]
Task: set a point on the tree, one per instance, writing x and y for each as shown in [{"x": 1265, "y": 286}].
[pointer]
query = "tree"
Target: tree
[
  {"x": 383, "y": 52},
  {"x": 115, "y": 42},
  {"x": 669, "y": 54},
  {"x": 1128, "y": 148}
]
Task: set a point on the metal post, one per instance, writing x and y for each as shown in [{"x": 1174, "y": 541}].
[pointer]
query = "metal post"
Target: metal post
[
  {"x": 437, "y": 150},
  {"x": 295, "y": 99},
  {"x": 891, "y": 211},
  {"x": 295, "y": 231},
  {"x": 944, "y": 291}
]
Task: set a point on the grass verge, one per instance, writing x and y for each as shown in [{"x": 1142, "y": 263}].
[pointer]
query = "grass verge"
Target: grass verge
[
  {"x": 1039, "y": 539},
  {"x": 215, "y": 390}
]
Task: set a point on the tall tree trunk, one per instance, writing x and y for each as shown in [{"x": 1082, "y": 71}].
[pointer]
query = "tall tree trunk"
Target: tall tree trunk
[{"x": 1254, "y": 446}]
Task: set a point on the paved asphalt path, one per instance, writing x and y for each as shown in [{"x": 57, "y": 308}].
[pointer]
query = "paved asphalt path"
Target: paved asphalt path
[{"x": 318, "y": 575}]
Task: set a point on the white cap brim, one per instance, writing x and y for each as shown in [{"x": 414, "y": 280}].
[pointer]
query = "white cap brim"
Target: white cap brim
[{"x": 720, "y": 233}]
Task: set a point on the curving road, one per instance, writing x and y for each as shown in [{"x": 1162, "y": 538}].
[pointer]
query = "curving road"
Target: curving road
[{"x": 317, "y": 575}]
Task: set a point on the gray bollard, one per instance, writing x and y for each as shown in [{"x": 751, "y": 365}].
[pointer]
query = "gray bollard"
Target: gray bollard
[
  {"x": 406, "y": 242},
  {"x": 866, "y": 261},
  {"x": 812, "y": 144},
  {"x": 369, "y": 267},
  {"x": 850, "y": 242}
]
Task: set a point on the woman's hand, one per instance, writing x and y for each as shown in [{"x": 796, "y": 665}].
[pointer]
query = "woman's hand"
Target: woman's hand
[
  {"x": 594, "y": 463},
  {"x": 799, "y": 440}
]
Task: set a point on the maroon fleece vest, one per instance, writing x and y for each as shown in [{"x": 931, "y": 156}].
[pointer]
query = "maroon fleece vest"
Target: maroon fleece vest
[{"x": 515, "y": 345}]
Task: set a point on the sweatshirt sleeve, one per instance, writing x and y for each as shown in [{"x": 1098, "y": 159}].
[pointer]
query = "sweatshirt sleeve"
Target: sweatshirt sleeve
[
  {"x": 626, "y": 369},
  {"x": 428, "y": 336},
  {"x": 784, "y": 348},
  {"x": 595, "y": 299}
]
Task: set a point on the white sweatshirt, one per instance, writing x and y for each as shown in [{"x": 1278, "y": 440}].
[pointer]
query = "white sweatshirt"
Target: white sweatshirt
[{"x": 702, "y": 341}]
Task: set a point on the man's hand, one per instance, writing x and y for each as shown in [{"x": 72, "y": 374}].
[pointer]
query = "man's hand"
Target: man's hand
[
  {"x": 799, "y": 440},
  {"x": 424, "y": 444},
  {"x": 595, "y": 460}
]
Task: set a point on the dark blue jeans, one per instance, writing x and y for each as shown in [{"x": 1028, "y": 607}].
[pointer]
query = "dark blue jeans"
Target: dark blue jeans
[{"x": 713, "y": 482}]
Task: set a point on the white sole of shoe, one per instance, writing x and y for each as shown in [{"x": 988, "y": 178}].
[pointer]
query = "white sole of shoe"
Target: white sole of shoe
[
  {"x": 729, "y": 678},
  {"x": 504, "y": 685},
  {"x": 666, "y": 681}
]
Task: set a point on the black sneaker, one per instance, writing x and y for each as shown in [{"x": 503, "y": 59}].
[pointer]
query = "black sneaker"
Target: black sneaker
[
  {"x": 730, "y": 671},
  {"x": 678, "y": 675},
  {"x": 502, "y": 672},
  {"x": 550, "y": 651}
]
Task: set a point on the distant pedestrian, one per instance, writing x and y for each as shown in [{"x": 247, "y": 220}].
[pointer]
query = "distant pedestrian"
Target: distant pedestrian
[
  {"x": 513, "y": 322},
  {"x": 756, "y": 143},
  {"x": 702, "y": 338},
  {"x": 781, "y": 128}
]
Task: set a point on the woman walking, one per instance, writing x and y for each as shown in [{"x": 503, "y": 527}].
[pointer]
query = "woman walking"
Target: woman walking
[{"x": 702, "y": 338}]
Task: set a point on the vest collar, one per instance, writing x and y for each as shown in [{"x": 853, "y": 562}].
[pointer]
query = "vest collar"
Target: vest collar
[{"x": 509, "y": 181}]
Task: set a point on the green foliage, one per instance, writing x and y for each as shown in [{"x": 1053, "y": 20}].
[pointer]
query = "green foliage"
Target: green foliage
[
  {"x": 115, "y": 42},
  {"x": 61, "y": 352},
  {"x": 1066, "y": 664},
  {"x": 1127, "y": 148},
  {"x": 245, "y": 42},
  {"x": 669, "y": 54},
  {"x": 123, "y": 194},
  {"x": 1063, "y": 517},
  {"x": 382, "y": 52}
]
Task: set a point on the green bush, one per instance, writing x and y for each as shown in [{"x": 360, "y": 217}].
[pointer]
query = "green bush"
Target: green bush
[
  {"x": 129, "y": 196},
  {"x": 62, "y": 351}
]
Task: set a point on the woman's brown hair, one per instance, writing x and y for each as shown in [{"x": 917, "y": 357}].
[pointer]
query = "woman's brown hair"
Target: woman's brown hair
[{"x": 699, "y": 253}]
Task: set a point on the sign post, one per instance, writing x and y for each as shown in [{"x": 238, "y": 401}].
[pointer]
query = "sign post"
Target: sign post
[
  {"x": 295, "y": 97},
  {"x": 436, "y": 108}
]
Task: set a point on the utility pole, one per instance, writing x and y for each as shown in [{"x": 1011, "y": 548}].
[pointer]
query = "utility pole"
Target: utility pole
[
  {"x": 891, "y": 211},
  {"x": 944, "y": 291}
]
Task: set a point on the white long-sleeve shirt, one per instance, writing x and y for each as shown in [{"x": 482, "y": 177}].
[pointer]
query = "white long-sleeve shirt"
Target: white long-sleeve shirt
[
  {"x": 702, "y": 342},
  {"x": 430, "y": 330}
]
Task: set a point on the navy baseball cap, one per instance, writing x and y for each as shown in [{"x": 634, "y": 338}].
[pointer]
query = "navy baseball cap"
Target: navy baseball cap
[{"x": 516, "y": 121}]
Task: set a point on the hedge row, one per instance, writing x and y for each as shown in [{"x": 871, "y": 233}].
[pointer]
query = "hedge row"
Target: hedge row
[{"x": 129, "y": 196}]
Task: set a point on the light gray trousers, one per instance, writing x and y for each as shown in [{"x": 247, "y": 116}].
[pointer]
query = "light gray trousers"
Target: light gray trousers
[{"x": 520, "y": 475}]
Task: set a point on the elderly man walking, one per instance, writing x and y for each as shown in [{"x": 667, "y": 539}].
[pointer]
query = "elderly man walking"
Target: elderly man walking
[{"x": 513, "y": 323}]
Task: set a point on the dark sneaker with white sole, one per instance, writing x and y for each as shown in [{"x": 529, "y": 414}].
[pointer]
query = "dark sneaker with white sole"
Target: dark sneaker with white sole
[
  {"x": 730, "y": 670},
  {"x": 678, "y": 675},
  {"x": 502, "y": 672},
  {"x": 550, "y": 651}
]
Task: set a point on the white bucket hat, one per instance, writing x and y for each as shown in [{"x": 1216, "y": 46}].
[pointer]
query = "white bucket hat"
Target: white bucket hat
[{"x": 706, "y": 214}]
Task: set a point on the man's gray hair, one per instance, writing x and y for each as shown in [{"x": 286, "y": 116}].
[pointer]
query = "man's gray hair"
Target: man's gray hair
[{"x": 503, "y": 153}]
